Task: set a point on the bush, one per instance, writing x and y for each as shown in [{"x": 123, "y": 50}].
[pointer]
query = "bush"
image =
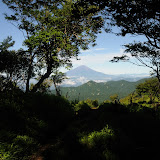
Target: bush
[
  {"x": 53, "y": 110},
  {"x": 82, "y": 108},
  {"x": 20, "y": 148},
  {"x": 28, "y": 120},
  {"x": 98, "y": 139},
  {"x": 111, "y": 107},
  {"x": 92, "y": 103}
]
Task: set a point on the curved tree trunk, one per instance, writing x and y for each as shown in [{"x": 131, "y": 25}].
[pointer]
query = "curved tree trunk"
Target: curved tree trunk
[{"x": 46, "y": 75}]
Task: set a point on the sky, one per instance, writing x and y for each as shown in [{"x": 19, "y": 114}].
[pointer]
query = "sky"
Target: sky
[{"x": 97, "y": 58}]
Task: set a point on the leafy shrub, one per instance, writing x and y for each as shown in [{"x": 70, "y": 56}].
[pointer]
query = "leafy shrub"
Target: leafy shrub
[
  {"x": 114, "y": 97},
  {"x": 55, "y": 111},
  {"x": 82, "y": 108},
  {"x": 99, "y": 139},
  {"x": 28, "y": 119},
  {"x": 4, "y": 153},
  {"x": 109, "y": 155},
  {"x": 100, "y": 142},
  {"x": 20, "y": 148},
  {"x": 92, "y": 103},
  {"x": 11, "y": 116}
]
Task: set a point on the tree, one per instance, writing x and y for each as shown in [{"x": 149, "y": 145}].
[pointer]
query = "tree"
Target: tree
[
  {"x": 13, "y": 64},
  {"x": 138, "y": 17},
  {"x": 114, "y": 98},
  {"x": 54, "y": 33},
  {"x": 57, "y": 79},
  {"x": 150, "y": 88},
  {"x": 44, "y": 87}
]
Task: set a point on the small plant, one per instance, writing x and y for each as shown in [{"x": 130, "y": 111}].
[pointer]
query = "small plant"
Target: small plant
[
  {"x": 20, "y": 148},
  {"x": 99, "y": 140}
]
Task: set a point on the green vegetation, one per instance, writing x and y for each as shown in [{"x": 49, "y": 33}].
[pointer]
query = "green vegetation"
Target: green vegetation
[
  {"x": 48, "y": 126},
  {"x": 136, "y": 17},
  {"x": 44, "y": 125},
  {"x": 35, "y": 124},
  {"x": 100, "y": 91},
  {"x": 28, "y": 120},
  {"x": 55, "y": 31}
]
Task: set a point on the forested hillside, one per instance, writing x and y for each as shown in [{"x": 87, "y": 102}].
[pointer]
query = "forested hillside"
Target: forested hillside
[{"x": 100, "y": 91}]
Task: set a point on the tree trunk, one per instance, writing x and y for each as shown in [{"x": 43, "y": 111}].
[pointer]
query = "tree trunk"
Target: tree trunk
[
  {"x": 28, "y": 78},
  {"x": 29, "y": 70},
  {"x": 57, "y": 90},
  {"x": 46, "y": 75}
]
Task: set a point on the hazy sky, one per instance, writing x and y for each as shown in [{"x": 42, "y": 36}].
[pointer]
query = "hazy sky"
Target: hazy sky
[{"x": 97, "y": 58}]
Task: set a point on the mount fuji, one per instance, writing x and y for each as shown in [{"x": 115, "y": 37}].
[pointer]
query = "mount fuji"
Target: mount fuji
[{"x": 83, "y": 74}]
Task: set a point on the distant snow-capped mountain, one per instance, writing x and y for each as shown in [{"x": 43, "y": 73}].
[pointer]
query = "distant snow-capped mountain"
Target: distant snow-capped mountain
[{"x": 83, "y": 74}]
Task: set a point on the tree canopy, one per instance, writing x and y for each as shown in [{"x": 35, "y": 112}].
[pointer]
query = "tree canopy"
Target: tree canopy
[
  {"x": 150, "y": 87},
  {"x": 138, "y": 17},
  {"x": 53, "y": 33},
  {"x": 13, "y": 64}
]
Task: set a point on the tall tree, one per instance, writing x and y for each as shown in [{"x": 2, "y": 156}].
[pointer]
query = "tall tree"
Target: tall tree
[
  {"x": 13, "y": 64},
  {"x": 57, "y": 79},
  {"x": 150, "y": 88},
  {"x": 138, "y": 17},
  {"x": 54, "y": 33}
]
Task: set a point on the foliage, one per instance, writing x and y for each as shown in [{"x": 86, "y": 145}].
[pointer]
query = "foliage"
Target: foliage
[
  {"x": 112, "y": 107},
  {"x": 149, "y": 87},
  {"x": 44, "y": 87},
  {"x": 54, "y": 33},
  {"x": 57, "y": 79},
  {"x": 21, "y": 146},
  {"x": 138, "y": 18},
  {"x": 13, "y": 64},
  {"x": 27, "y": 121},
  {"x": 114, "y": 98},
  {"x": 99, "y": 91},
  {"x": 98, "y": 138},
  {"x": 34, "y": 120},
  {"x": 92, "y": 103},
  {"x": 82, "y": 108},
  {"x": 100, "y": 141}
]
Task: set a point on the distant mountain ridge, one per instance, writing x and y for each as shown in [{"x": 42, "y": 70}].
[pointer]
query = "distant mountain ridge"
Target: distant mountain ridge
[
  {"x": 83, "y": 74},
  {"x": 100, "y": 91}
]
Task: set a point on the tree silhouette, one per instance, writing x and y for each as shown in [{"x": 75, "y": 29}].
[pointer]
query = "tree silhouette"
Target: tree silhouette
[
  {"x": 13, "y": 64},
  {"x": 138, "y": 18},
  {"x": 53, "y": 33}
]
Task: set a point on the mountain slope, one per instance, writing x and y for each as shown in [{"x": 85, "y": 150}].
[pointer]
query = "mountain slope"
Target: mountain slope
[
  {"x": 100, "y": 91},
  {"x": 84, "y": 71}
]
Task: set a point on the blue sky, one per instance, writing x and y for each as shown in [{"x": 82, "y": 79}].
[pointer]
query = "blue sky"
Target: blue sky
[{"x": 97, "y": 58}]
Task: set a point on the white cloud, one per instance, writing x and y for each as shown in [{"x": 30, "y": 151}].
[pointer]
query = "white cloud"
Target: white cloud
[
  {"x": 68, "y": 82},
  {"x": 84, "y": 51},
  {"x": 100, "y": 49},
  {"x": 96, "y": 58},
  {"x": 82, "y": 79},
  {"x": 99, "y": 81},
  {"x": 72, "y": 82}
]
